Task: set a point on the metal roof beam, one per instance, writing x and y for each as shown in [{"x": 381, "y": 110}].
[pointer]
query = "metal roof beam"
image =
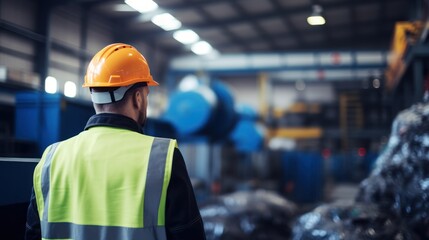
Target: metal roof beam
[
  {"x": 278, "y": 12},
  {"x": 300, "y": 9},
  {"x": 293, "y": 30},
  {"x": 228, "y": 32},
  {"x": 262, "y": 32},
  {"x": 340, "y": 43},
  {"x": 150, "y": 35}
]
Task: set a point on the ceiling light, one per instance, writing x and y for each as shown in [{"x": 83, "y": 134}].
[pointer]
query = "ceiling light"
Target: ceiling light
[
  {"x": 70, "y": 89},
  {"x": 166, "y": 21},
  {"x": 316, "y": 20},
  {"x": 316, "y": 17},
  {"x": 142, "y": 6},
  {"x": 51, "y": 85},
  {"x": 186, "y": 36},
  {"x": 201, "y": 48}
]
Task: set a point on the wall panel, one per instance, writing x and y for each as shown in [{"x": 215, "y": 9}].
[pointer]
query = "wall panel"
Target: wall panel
[
  {"x": 99, "y": 34},
  {"x": 20, "y": 12},
  {"x": 65, "y": 25}
]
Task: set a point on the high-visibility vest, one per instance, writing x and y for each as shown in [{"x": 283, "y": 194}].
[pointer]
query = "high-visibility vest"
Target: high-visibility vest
[{"x": 105, "y": 183}]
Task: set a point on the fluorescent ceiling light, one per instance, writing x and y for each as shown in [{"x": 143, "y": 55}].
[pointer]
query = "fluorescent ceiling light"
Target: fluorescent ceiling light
[
  {"x": 201, "y": 48},
  {"x": 142, "y": 6},
  {"x": 186, "y": 36},
  {"x": 316, "y": 17},
  {"x": 316, "y": 20},
  {"x": 70, "y": 89},
  {"x": 166, "y": 21},
  {"x": 51, "y": 85}
]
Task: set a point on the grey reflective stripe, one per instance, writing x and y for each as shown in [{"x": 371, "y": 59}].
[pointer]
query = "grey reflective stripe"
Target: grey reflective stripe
[
  {"x": 91, "y": 232},
  {"x": 46, "y": 180},
  {"x": 155, "y": 181}
]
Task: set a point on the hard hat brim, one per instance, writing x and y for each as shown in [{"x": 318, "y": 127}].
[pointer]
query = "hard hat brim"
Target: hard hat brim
[{"x": 150, "y": 82}]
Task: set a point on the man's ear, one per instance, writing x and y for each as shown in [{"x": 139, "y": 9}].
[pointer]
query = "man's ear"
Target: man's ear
[{"x": 137, "y": 99}]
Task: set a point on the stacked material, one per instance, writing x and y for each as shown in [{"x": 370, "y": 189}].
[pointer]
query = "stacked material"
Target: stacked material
[{"x": 256, "y": 215}]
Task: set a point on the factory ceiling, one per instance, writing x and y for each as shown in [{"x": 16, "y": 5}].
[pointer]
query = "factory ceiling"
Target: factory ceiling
[{"x": 262, "y": 26}]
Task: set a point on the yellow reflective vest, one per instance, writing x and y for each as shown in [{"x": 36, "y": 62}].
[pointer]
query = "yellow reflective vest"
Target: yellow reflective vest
[{"x": 105, "y": 183}]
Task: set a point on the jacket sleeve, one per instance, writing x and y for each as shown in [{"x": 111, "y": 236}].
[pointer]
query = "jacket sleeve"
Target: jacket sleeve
[
  {"x": 183, "y": 219},
  {"x": 32, "y": 226}
]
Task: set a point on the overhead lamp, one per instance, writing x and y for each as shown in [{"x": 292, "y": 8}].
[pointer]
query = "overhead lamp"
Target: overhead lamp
[
  {"x": 166, "y": 21},
  {"x": 51, "y": 85},
  {"x": 201, "y": 48},
  {"x": 186, "y": 36},
  {"x": 142, "y": 6},
  {"x": 70, "y": 89},
  {"x": 316, "y": 17}
]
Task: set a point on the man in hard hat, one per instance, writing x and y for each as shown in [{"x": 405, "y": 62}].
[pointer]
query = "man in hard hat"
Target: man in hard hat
[{"x": 111, "y": 181}]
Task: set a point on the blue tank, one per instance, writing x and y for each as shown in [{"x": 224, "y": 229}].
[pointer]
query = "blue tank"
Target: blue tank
[
  {"x": 247, "y": 135},
  {"x": 204, "y": 111}
]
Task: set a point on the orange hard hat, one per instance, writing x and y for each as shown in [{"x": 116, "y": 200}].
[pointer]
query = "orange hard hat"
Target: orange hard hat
[{"x": 118, "y": 65}]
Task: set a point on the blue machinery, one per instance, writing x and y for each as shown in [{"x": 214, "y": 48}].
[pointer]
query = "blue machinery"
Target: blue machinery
[
  {"x": 203, "y": 111},
  {"x": 207, "y": 112}
]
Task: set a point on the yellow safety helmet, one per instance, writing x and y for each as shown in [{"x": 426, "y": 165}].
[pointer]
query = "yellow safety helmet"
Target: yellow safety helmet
[{"x": 118, "y": 65}]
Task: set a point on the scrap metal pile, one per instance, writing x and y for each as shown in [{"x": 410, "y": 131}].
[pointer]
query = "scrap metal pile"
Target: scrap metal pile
[
  {"x": 256, "y": 215},
  {"x": 399, "y": 184},
  {"x": 393, "y": 202},
  {"x": 348, "y": 221}
]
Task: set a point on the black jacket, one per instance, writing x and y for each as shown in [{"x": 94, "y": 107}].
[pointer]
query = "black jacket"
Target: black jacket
[{"x": 182, "y": 220}]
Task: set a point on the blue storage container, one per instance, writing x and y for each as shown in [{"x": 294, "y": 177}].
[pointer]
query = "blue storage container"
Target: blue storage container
[
  {"x": 350, "y": 167},
  {"x": 303, "y": 176},
  {"x": 48, "y": 118},
  {"x": 342, "y": 167}
]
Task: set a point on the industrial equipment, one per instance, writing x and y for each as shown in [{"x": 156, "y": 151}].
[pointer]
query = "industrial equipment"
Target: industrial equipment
[
  {"x": 205, "y": 111},
  {"x": 48, "y": 118},
  {"x": 247, "y": 135}
]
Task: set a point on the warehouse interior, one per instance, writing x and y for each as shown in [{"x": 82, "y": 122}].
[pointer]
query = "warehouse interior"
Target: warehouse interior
[{"x": 290, "y": 129}]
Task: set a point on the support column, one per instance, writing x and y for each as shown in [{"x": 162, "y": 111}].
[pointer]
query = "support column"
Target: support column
[
  {"x": 83, "y": 42},
  {"x": 43, "y": 48},
  {"x": 41, "y": 66},
  {"x": 418, "y": 85}
]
